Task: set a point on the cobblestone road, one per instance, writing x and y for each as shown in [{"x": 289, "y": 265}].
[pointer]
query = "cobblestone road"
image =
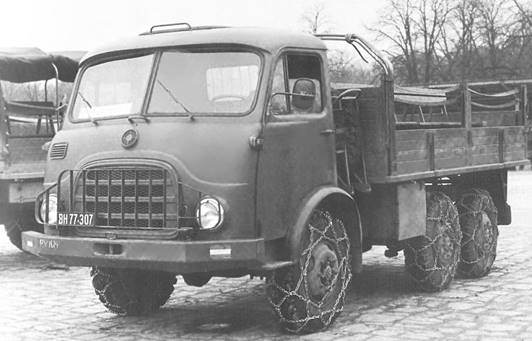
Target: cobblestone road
[{"x": 41, "y": 301}]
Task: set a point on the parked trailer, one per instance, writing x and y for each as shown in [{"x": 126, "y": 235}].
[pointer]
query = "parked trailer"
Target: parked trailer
[
  {"x": 25, "y": 128},
  {"x": 228, "y": 151}
]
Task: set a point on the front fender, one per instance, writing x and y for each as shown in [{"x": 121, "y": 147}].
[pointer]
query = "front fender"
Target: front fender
[{"x": 339, "y": 203}]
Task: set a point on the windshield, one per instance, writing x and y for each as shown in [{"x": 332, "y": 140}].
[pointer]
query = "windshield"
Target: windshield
[
  {"x": 114, "y": 88},
  {"x": 205, "y": 82}
]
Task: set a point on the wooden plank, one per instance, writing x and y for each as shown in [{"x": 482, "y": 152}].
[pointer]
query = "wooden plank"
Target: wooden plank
[
  {"x": 407, "y": 167},
  {"x": 484, "y": 159},
  {"x": 411, "y": 155},
  {"x": 454, "y": 162}
]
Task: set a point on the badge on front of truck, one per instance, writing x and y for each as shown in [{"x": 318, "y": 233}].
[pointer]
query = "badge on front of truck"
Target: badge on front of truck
[{"x": 129, "y": 138}]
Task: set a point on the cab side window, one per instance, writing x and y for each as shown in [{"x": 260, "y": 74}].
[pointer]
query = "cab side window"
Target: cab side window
[{"x": 299, "y": 77}]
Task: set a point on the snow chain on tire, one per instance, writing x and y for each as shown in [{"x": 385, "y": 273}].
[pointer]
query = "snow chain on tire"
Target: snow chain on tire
[
  {"x": 431, "y": 260},
  {"x": 290, "y": 291},
  {"x": 132, "y": 291},
  {"x": 478, "y": 220}
]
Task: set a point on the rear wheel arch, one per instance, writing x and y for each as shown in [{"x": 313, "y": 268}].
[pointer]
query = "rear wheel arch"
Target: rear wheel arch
[{"x": 340, "y": 204}]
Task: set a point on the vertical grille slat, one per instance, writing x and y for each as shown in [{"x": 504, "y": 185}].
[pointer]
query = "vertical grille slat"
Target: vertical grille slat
[
  {"x": 164, "y": 198},
  {"x": 136, "y": 198},
  {"x": 84, "y": 190},
  {"x": 109, "y": 197},
  {"x": 150, "y": 194},
  {"x": 122, "y": 195},
  {"x": 96, "y": 193},
  {"x": 128, "y": 197}
]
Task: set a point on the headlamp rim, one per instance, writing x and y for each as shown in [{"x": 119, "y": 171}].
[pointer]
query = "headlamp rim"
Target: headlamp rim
[{"x": 217, "y": 204}]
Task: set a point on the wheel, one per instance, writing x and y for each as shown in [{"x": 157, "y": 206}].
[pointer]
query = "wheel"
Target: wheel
[
  {"x": 198, "y": 279},
  {"x": 20, "y": 218},
  {"x": 307, "y": 296},
  {"x": 478, "y": 221},
  {"x": 431, "y": 260},
  {"x": 132, "y": 291}
]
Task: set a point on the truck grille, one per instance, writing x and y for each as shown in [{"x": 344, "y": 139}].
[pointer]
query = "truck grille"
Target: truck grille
[{"x": 140, "y": 197}]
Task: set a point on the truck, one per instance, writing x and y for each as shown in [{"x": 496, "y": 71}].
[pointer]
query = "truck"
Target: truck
[
  {"x": 26, "y": 126},
  {"x": 224, "y": 151}
]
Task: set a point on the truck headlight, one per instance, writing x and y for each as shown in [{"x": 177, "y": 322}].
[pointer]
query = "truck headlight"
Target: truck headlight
[
  {"x": 210, "y": 213},
  {"x": 52, "y": 209}
]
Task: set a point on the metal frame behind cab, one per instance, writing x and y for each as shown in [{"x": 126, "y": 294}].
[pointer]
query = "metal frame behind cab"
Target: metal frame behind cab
[{"x": 355, "y": 40}]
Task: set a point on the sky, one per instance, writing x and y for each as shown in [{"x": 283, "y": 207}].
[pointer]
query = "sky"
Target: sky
[{"x": 55, "y": 25}]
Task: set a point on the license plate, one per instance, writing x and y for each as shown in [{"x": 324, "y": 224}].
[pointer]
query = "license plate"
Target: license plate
[{"x": 75, "y": 219}]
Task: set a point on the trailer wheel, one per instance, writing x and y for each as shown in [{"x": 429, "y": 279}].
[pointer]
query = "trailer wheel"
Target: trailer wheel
[
  {"x": 431, "y": 260},
  {"x": 20, "y": 218},
  {"x": 132, "y": 291},
  {"x": 478, "y": 220},
  {"x": 307, "y": 296}
]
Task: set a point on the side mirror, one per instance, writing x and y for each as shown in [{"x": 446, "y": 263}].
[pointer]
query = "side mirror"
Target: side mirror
[
  {"x": 302, "y": 97},
  {"x": 304, "y": 94}
]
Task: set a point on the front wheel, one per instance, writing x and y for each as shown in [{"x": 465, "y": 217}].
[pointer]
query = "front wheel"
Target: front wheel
[
  {"x": 20, "y": 218},
  {"x": 478, "y": 220},
  {"x": 132, "y": 291},
  {"x": 307, "y": 296},
  {"x": 431, "y": 260}
]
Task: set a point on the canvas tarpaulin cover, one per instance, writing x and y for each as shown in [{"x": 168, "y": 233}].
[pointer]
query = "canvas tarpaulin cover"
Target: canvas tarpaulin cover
[{"x": 20, "y": 65}]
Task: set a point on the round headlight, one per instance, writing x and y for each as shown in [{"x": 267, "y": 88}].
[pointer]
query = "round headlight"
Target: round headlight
[
  {"x": 52, "y": 209},
  {"x": 210, "y": 213}
]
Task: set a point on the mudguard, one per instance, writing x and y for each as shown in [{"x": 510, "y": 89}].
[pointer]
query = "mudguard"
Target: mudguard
[{"x": 338, "y": 202}]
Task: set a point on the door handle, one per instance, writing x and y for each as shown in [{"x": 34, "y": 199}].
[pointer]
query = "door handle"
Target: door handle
[{"x": 328, "y": 132}]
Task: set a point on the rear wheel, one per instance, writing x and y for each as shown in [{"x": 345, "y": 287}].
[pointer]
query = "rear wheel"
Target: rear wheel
[
  {"x": 432, "y": 259},
  {"x": 478, "y": 221},
  {"x": 20, "y": 218},
  {"x": 309, "y": 295},
  {"x": 132, "y": 291}
]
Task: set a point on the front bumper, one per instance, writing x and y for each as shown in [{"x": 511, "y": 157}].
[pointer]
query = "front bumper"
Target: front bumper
[{"x": 173, "y": 256}]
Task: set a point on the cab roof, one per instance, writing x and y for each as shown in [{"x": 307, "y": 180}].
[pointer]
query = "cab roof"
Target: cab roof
[{"x": 263, "y": 38}]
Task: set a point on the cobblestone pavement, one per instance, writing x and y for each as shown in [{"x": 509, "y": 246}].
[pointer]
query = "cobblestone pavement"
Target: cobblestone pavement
[{"x": 41, "y": 301}]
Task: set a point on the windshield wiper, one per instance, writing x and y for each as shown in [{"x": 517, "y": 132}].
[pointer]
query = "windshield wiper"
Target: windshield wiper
[
  {"x": 172, "y": 96},
  {"x": 85, "y": 100},
  {"x": 90, "y": 107}
]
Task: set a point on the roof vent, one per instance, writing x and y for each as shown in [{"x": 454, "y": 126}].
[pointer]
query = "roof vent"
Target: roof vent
[{"x": 58, "y": 151}]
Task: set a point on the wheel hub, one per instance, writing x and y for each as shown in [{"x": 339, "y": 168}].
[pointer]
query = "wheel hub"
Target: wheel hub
[
  {"x": 322, "y": 270},
  {"x": 445, "y": 244},
  {"x": 485, "y": 233}
]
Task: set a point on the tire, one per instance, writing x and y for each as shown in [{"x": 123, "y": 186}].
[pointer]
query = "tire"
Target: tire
[
  {"x": 431, "y": 260},
  {"x": 132, "y": 291},
  {"x": 197, "y": 279},
  {"x": 309, "y": 295},
  {"x": 20, "y": 218},
  {"x": 478, "y": 221}
]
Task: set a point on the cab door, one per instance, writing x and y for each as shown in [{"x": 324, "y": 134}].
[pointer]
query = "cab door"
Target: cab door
[{"x": 297, "y": 154}]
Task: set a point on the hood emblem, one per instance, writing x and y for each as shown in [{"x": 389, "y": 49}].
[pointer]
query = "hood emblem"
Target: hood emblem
[{"x": 130, "y": 138}]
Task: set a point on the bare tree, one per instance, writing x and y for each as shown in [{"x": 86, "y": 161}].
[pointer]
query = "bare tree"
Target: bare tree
[
  {"x": 397, "y": 25},
  {"x": 457, "y": 45},
  {"x": 315, "y": 19},
  {"x": 432, "y": 17},
  {"x": 496, "y": 23}
]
